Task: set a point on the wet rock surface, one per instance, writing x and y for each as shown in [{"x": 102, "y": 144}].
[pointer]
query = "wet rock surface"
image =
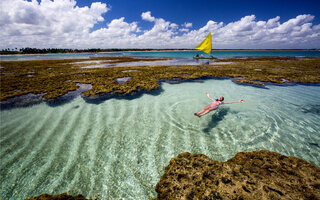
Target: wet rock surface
[
  {"x": 63, "y": 196},
  {"x": 251, "y": 175}
]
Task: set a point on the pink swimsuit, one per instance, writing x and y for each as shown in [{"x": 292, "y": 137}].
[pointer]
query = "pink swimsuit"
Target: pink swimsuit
[{"x": 212, "y": 106}]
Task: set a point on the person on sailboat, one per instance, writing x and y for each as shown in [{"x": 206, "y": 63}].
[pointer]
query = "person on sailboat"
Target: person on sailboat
[
  {"x": 214, "y": 105},
  {"x": 204, "y": 46}
]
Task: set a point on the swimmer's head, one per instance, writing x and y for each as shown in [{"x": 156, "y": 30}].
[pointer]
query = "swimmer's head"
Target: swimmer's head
[{"x": 221, "y": 98}]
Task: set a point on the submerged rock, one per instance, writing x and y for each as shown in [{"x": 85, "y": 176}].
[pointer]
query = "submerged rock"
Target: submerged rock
[
  {"x": 63, "y": 196},
  {"x": 251, "y": 175}
]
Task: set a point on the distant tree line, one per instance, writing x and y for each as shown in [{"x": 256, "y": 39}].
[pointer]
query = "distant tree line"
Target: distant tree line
[{"x": 55, "y": 50}]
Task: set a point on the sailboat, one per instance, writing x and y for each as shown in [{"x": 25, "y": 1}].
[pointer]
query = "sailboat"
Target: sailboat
[{"x": 205, "y": 46}]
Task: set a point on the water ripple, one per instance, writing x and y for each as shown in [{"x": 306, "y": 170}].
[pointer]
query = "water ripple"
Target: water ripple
[
  {"x": 56, "y": 158},
  {"x": 118, "y": 149}
]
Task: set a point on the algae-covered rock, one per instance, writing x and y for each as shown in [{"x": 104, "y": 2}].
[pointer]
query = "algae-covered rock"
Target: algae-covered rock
[
  {"x": 63, "y": 196},
  {"x": 251, "y": 175},
  {"x": 55, "y": 78}
]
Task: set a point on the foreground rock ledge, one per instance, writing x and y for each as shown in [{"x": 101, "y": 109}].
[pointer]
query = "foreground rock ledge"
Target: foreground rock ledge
[{"x": 252, "y": 175}]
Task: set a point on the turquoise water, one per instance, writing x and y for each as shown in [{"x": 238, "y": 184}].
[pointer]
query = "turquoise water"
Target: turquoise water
[
  {"x": 167, "y": 54},
  {"x": 118, "y": 149}
]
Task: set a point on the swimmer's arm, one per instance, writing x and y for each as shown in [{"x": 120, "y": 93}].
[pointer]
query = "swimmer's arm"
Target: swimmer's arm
[
  {"x": 240, "y": 101},
  {"x": 209, "y": 96}
]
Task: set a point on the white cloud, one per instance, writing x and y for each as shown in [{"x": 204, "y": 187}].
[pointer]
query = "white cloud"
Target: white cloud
[
  {"x": 147, "y": 16},
  {"x": 245, "y": 24},
  {"x": 116, "y": 28},
  {"x": 63, "y": 24},
  {"x": 187, "y": 24},
  {"x": 273, "y": 23},
  {"x": 26, "y": 23},
  {"x": 174, "y": 26},
  {"x": 293, "y": 24},
  {"x": 184, "y": 30},
  {"x": 160, "y": 36}
]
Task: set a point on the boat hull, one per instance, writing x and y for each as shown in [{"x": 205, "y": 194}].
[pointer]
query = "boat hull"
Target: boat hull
[{"x": 199, "y": 58}]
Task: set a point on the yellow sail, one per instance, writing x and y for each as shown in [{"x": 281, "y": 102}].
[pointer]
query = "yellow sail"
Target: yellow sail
[{"x": 205, "y": 45}]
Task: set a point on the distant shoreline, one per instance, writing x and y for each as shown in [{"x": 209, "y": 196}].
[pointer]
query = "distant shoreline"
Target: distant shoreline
[{"x": 151, "y": 50}]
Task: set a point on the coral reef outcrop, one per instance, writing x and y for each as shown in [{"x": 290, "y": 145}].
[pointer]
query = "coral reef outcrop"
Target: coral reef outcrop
[
  {"x": 250, "y": 175},
  {"x": 55, "y": 78}
]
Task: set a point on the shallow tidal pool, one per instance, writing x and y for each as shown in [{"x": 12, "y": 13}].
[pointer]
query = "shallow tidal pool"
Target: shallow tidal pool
[{"x": 118, "y": 148}]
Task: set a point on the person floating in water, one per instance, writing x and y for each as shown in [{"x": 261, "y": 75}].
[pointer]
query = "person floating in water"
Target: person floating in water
[{"x": 214, "y": 105}]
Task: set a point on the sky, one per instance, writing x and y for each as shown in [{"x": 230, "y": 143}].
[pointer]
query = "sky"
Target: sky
[{"x": 234, "y": 24}]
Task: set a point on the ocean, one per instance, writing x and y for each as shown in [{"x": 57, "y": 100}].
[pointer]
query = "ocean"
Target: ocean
[
  {"x": 118, "y": 148},
  {"x": 164, "y": 54}
]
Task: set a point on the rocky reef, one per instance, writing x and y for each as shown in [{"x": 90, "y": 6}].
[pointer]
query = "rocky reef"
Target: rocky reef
[
  {"x": 54, "y": 78},
  {"x": 251, "y": 175},
  {"x": 63, "y": 196}
]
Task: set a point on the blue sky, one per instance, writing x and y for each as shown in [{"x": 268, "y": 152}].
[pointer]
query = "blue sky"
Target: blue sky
[
  {"x": 159, "y": 24},
  {"x": 200, "y": 11}
]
